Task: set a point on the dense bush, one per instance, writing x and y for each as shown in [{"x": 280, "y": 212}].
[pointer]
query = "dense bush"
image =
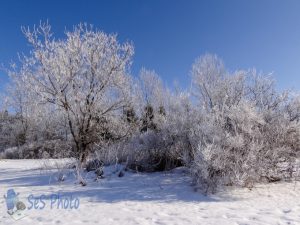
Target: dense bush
[{"x": 245, "y": 133}]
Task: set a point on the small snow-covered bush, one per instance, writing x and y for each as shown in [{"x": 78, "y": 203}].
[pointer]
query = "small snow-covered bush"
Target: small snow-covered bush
[
  {"x": 10, "y": 153},
  {"x": 39, "y": 150},
  {"x": 155, "y": 151},
  {"x": 47, "y": 149},
  {"x": 93, "y": 165}
]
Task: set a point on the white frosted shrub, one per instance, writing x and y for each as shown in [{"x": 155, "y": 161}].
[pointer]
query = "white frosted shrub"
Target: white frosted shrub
[{"x": 247, "y": 133}]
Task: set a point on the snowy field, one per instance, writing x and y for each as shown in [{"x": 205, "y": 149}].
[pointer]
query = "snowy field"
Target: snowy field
[{"x": 138, "y": 198}]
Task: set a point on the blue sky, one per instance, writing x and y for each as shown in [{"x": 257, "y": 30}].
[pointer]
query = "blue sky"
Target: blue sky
[{"x": 169, "y": 35}]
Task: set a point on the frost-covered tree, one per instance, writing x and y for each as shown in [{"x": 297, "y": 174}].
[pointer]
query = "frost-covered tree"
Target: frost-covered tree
[
  {"x": 208, "y": 72},
  {"x": 153, "y": 98},
  {"x": 84, "y": 76}
]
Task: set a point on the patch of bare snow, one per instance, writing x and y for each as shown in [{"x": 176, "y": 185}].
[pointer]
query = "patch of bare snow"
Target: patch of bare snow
[{"x": 144, "y": 198}]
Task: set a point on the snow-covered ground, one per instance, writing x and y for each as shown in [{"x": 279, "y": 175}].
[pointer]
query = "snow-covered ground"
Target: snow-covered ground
[{"x": 139, "y": 198}]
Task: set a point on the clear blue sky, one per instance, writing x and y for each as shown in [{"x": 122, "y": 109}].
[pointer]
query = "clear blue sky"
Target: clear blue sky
[{"x": 169, "y": 35}]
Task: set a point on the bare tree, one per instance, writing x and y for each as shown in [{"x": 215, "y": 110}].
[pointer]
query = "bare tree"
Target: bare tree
[{"x": 83, "y": 76}]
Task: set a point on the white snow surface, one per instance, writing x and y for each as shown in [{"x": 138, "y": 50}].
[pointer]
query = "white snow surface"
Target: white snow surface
[{"x": 143, "y": 198}]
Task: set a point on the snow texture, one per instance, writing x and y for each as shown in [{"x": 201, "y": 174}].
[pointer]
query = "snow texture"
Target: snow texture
[{"x": 144, "y": 198}]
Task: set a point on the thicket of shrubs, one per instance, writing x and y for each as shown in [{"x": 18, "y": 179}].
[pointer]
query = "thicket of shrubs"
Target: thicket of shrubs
[
  {"x": 238, "y": 131},
  {"x": 229, "y": 128}
]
